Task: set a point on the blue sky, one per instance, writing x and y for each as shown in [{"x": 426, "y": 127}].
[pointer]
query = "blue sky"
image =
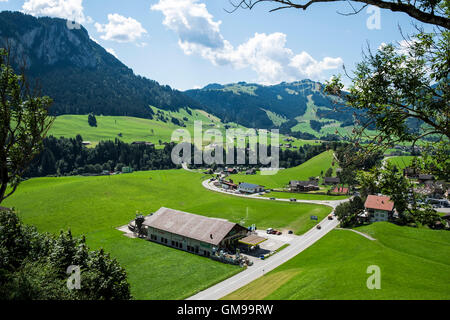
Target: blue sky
[{"x": 191, "y": 43}]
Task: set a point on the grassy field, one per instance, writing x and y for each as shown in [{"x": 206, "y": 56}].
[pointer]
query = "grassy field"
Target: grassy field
[
  {"x": 132, "y": 129},
  {"x": 414, "y": 263},
  {"x": 95, "y": 206},
  {"x": 310, "y": 168},
  {"x": 138, "y": 129},
  {"x": 401, "y": 162}
]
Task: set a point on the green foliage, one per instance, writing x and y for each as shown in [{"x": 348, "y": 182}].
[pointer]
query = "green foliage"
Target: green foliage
[
  {"x": 92, "y": 120},
  {"x": 348, "y": 212},
  {"x": 391, "y": 182},
  {"x": 33, "y": 266},
  {"x": 24, "y": 123},
  {"x": 402, "y": 83}
]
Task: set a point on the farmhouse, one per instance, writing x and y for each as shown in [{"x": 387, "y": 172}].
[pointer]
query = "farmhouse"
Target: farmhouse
[
  {"x": 340, "y": 190},
  {"x": 331, "y": 180},
  {"x": 378, "y": 208},
  {"x": 250, "y": 188},
  {"x": 296, "y": 186},
  {"x": 193, "y": 233},
  {"x": 228, "y": 185}
]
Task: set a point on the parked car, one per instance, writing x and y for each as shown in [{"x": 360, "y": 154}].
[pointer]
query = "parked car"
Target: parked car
[
  {"x": 318, "y": 227},
  {"x": 269, "y": 231},
  {"x": 272, "y": 198},
  {"x": 291, "y": 232},
  {"x": 293, "y": 200},
  {"x": 330, "y": 217}
]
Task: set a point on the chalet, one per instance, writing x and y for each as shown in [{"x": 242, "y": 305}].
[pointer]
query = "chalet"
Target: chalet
[
  {"x": 193, "y": 233},
  {"x": 250, "y": 188},
  {"x": 340, "y": 190},
  {"x": 425, "y": 178},
  {"x": 378, "y": 208},
  {"x": 288, "y": 145},
  {"x": 143, "y": 143},
  {"x": 228, "y": 185},
  {"x": 86, "y": 143},
  {"x": 298, "y": 186},
  {"x": 331, "y": 180},
  {"x": 231, "y": 171},
  {"x": 251, "y": 171}
]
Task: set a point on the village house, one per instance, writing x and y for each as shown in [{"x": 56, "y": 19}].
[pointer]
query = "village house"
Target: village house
[
  {"x": 228, "y": 185},
  {"x": 193, "y": 233},
  {"x": 331, "y": 181},
  {"x": 299, "y": 186},
  {"x": 340, "y": 190},
  {"x": 250, "y": 188},
  {"x": 378, "y": 208}
]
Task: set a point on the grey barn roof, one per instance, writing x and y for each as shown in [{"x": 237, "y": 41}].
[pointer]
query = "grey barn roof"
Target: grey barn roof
[
  {"x": 295, "y": 183},
  {"x": 249, "y": 185},
  {"x": 209, "y": 230}
]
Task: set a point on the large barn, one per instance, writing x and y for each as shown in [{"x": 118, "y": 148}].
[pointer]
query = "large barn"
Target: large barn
[{"x": 193, "y": 233}]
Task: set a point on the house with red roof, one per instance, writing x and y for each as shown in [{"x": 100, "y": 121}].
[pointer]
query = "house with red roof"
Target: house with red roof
[
  {"x": 340, "y": 190},
  {"x": 378, "y": 208}
]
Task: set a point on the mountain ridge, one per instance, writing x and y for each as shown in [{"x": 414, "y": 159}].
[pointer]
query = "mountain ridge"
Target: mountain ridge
[{"x": 78, "y": 73}]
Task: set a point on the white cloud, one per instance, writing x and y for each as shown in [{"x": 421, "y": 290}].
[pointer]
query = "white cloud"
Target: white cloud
[
  {"x": 65, "y": 9},
  {"x": 266, "y": 54},
  {"x": 120, "y": 29},
  {"x": 191, "y": 21}
]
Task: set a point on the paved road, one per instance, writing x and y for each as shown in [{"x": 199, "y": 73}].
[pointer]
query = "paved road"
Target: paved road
[
  {"x": 261, "y": 267},
  {"x": 330, "y": 203}
]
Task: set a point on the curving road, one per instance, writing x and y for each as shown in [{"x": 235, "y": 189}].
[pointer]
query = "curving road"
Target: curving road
[
  {"x": 331, "y": 203},
  {"x": 261, "y": 267}
]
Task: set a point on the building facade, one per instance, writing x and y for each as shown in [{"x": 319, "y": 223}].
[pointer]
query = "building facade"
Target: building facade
[
  {"x": 378, "y": 208},
  {"x": 193, "y": 233}
]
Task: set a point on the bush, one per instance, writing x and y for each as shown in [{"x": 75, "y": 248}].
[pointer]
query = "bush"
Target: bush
[{"x": 33, "y": 266}]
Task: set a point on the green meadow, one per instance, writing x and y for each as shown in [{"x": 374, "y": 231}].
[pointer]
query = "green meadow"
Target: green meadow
[
  {"x": 129, "y": 129},
  {"x": 401, "y": 162},
  {"x": 96, "y": 206},
  {"x": 311, "y": 168},
  {"x": 414, "y": 264}
]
